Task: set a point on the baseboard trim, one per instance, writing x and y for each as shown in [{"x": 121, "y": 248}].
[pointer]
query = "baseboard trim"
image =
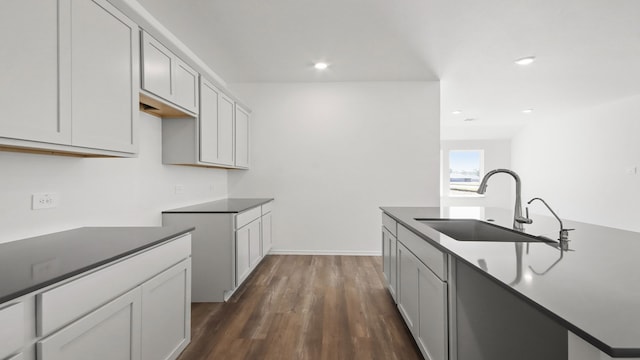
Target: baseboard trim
[{"x": 325, "y": 252}]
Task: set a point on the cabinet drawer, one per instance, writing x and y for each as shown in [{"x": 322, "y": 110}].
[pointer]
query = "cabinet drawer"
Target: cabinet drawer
[
  {"x": 248, "y": 216},
  {"x": 433, "y": 258},
  {"x": 112, "y": 329},
  {"x": 390, "y": 224},
  {"x": 266, "y": 208},
  {"x": 11, "y": 329},
  {"x": 76, "y": 298}
]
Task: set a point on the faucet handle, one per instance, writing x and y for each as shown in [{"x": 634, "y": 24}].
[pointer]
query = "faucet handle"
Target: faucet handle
[
  {"x": 526, "y": 219},
  {"x": 564, "y": 234}
]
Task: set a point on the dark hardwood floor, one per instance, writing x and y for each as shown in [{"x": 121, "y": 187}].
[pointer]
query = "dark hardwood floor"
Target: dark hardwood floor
[{"x": 304, "y": 307}]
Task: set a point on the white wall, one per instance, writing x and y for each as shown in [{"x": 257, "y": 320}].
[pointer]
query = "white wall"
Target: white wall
[
  {"x": 100, "y": 192},
  {"x": 577, "y": 162},
  {"x": 332, "y": 153},
  {"x": 497, "y": 154}
]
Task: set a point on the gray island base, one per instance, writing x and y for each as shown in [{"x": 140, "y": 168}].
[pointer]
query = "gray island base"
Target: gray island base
[{"x": 503, "y": 300}]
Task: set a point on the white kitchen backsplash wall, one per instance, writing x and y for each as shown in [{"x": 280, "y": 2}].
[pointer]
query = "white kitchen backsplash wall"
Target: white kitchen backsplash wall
[
  {"x": 332, "y": 153},
  {"x": 100, "y": 192},
  {"x": 585, "y": 164}
]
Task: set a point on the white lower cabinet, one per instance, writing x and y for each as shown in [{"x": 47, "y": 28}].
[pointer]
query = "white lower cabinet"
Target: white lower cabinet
[
  {"x": 136, "y": 308},
  {"x": 111, "y": 332},
  {"x": 243, "y": 264},
  {"x": 227, "y": 247},
  {"x": 408, "y": 295},
  {"x": 12, "y": 328},
  {"x": 266, "y": 233},
  {"x": 422, "y": 301},
  {"x": 393, "y": 267},
  {"x": 166, "y": 313},
  {"x": 255, "y": 246},
  {"x": 248, "y": 253},
  {"x": 432, "y": 311},
  {"x": 390, "y": 261},
  {"x": 421, "y": 295}
]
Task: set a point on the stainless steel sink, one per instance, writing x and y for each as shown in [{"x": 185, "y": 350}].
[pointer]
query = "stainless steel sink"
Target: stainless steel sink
[{"x": 476, "y": 230}]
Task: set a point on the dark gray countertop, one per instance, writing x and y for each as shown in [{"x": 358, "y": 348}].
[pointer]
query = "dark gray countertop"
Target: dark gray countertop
[
  {"x": 593, "y": 289},
  {"x": 221, "y": 206},
  {"x": 34, "y": 263}
]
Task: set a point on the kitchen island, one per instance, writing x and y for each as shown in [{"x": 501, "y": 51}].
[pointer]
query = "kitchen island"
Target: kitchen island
[{"x": 584, "y": 299}]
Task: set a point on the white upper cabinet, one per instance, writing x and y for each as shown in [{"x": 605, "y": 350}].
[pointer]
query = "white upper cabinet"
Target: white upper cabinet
[
  {"x": 29, "y": 72},
  {"x": 70, "y": 77},
  {"x": 218, "y": 137},
  {"x": 186, "y": 86},
  {"x": 242, "y": 137},
  {"x": 216, "y": 125},
  {"x": 226, "y": 120},
  {"x": 157, "y": 64},
  {"x": 167, "y": 77},
  {"x": 104, "y": 58}
]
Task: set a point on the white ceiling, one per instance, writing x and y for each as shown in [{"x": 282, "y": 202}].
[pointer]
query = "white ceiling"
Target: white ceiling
[{"x": 588, "y": 51}]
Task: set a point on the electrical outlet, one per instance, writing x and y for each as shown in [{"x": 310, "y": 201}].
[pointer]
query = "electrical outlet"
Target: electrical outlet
[
  {"x": 45, "y": 200},
  {"x": 212, "y": 188},
  {"x": 44, "y": 270},
  {"x": 179, "y": 189}
]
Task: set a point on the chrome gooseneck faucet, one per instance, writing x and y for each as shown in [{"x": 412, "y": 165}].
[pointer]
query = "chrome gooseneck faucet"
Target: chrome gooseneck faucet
[
  {"x": 518, "y": 219},
  {"x": 564, "y": 233}
]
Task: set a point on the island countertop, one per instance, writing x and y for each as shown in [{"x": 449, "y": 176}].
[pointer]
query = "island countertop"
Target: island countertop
[
  {"x": 592, "y": 289},
  {"x": 230, "y": 205},
  {"x": 31, "y": 264}
]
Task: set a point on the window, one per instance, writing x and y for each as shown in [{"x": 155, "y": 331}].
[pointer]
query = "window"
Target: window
[{"x": 465, "y": 172}]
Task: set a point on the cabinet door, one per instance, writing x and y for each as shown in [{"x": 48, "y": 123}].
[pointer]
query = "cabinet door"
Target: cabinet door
[
  {"x": 386, "y": 256},
  {"x": 242, "y": 138},
  {"x": 12, "y": 328},
  {"x": 266, "y": 234},
  {"x": 185, "y": 82},
  {"x": 255, "y": 246},
  {"x": 393, "y": 267},
  {"x": 216, "y": 125},
  {"x": 111, "y": 332},
  {"x": 104, "y": 53},
  {"x": 243, "y": 264},
  {"x": 408, "y": 295},
  {"x": 209, "y": 126},
  {"x": 156, "y": 67},
  {"x": 29, "y": 72},
  {"x": 166, "y": 313},
  {"x": 225, "y": 130},
  {"x": 432, "y": 309}
]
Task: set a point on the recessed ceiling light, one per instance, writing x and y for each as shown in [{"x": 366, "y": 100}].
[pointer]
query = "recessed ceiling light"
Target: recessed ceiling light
[
  {"x": 525, "y": 60},
  {"x": 321, "y": 65},
  {"x": 527, "y": 111},
  {"x": 456, "y": 112}
]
